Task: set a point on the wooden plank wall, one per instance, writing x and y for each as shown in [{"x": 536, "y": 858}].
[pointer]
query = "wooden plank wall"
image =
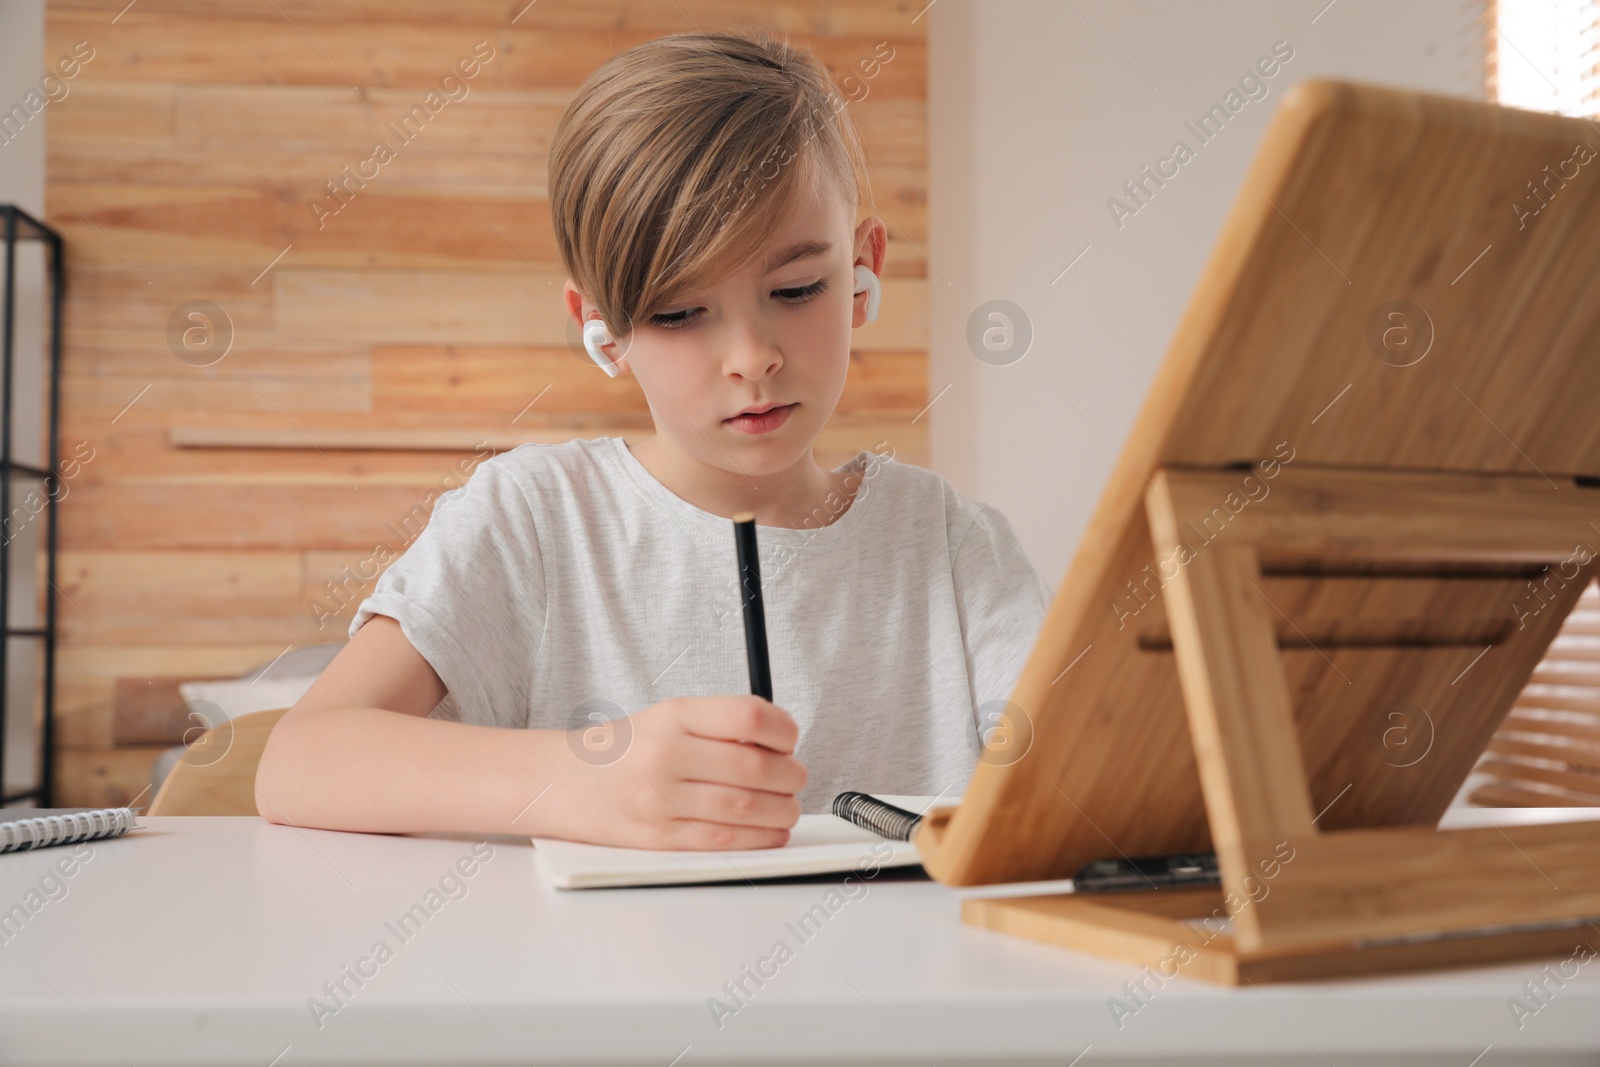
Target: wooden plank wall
[{"x": 182, "y": 167}]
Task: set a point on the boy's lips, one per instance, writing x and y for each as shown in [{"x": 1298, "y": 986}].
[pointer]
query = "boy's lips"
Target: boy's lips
[
  {"x": 765, "y": 421},
  {"x": 756, "y": 409}
]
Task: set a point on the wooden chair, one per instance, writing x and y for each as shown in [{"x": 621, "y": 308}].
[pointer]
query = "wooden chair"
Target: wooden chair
[{"x": 217, "y": 774}]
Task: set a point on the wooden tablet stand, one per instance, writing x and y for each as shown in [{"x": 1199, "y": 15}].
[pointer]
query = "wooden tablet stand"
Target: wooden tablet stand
[
  {"x": 1347, "y": 901},
  {"x": 1383, "y": 584}
]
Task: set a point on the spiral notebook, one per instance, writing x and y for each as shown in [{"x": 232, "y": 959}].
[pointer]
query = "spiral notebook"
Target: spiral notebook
[
  {"x": 864, "y": 832},
  {"x": 28, "y": 828}
]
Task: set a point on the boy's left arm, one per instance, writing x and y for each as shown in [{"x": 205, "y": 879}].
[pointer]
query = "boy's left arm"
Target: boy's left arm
[{"x": 1001, "y": 601}]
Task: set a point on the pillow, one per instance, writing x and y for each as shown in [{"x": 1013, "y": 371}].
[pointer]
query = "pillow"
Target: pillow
[
  {"x": 213, "y": 702},
  {"x": 276, "y": 684}
]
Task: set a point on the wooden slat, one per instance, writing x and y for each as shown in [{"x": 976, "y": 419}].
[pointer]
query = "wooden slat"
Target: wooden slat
[
  {"x": 108, "y": 114},
  {"x": 118, "y": 582},
  {"x": 1512, "y": 795},
  {"x": 1574, "y": 781},
  {"x": 257, "y": 355},
  {"x": 105, "y": 777},
  {"x": 87, "y": 160},
  {"x": 135, "y": 453},
  {"x": 148, "y": 661},
  {"x": 1405, "y": 515},
  {"x": 1571, "y": 649},
  {"x": 1355, "y": 611},
  {"x": 1532, "y": 872},
  {"x": 231, "y": 631},
  {"x": 176, "y": 226},
  {"x": 1543, "y": 698},
  {"x": 1560, "y": 725},
  {"x": 1114, "y": 927},
  {"x": 1242, "y": 719},
  {"x": 83, "y": 708},
  {"x": 801, "y": 16},
  {"x": 411, "y": 55},
  {"x": 1240, "y": 716},
  {"x": 110, "y": 397},
  {"x": 797, "y": 16},
  {"x": 436, "y": 439},
  {"x": 1576, "y": 755},
  {"x": 242, "y": 517},
  {"x": 335, "y": 583},
  {"x": 1517, "y": 723},
  {"x": 1567, "y": 673}
]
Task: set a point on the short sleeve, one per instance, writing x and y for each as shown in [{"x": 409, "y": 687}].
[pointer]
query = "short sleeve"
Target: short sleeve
[
  {"x": 469, "y": 594},
  {"x": 1002, "y": 603}
]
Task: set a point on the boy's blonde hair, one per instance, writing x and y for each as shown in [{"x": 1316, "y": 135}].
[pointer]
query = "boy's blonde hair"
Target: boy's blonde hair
[{"x": 678, "y": 159}]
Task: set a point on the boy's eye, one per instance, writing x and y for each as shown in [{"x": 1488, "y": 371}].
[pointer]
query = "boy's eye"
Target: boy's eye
[
  {"x": 676, "y": 320},
  {"x": 804, "y": 292},
  {"x": 673, "y": 320}
]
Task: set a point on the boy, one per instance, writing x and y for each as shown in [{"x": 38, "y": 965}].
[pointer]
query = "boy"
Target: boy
[{"x": 560, "y": 653}]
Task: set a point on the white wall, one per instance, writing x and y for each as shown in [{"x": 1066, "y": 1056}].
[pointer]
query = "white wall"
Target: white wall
[
  {"x": 1038, "y": 112},
  {"x": 22, "y": 155},
  {"x": 22, "y": 159},
  {"x": 21, "y": 67}
]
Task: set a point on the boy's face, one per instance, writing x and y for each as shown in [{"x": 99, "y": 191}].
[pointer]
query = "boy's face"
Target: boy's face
[{"x": 766, "y": 335}]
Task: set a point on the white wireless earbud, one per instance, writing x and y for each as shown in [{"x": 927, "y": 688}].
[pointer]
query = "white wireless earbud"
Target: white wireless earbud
[
  {"x": 594, "y": 338},
  {"x": 867, "y": 282}
]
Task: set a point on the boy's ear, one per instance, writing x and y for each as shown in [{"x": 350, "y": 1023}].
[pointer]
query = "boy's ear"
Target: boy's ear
[
  {"x": 574, "y": 301},
  {"x": 872, "y": 242}
]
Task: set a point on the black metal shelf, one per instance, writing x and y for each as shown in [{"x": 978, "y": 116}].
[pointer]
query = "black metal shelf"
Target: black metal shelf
[{"x": 17, "y": 226}]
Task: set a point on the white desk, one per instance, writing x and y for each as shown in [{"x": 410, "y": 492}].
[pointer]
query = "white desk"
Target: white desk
[{"x": 200, "y": 941}]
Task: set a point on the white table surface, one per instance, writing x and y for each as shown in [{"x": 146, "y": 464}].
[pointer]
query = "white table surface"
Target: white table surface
[{"x": 201, "y": 941}]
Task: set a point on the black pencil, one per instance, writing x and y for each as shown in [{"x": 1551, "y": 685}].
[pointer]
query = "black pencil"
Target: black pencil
[{"x": 755, "y": 621}]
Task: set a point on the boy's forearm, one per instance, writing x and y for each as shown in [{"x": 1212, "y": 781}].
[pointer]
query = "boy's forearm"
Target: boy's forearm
[{"x": 379, "y": 771}]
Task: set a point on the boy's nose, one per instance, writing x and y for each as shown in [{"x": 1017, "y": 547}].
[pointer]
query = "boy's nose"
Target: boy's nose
[{"x": 751, "y": 353}]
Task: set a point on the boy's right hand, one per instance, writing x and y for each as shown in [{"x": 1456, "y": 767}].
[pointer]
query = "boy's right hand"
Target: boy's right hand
[{"x": 693, "y": 773}]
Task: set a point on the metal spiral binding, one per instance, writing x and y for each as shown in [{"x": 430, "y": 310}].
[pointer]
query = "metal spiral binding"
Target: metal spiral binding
[
  {"x": 870, "y": 813},
  {"x": 21, "y": 834}
]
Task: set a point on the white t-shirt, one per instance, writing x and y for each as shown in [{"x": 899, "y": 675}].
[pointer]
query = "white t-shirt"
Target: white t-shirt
[{"x": 564, "y": 584}]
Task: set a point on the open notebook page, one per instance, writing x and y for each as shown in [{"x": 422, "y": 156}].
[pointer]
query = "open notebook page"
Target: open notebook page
[{"x": 818, "y": 844}]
